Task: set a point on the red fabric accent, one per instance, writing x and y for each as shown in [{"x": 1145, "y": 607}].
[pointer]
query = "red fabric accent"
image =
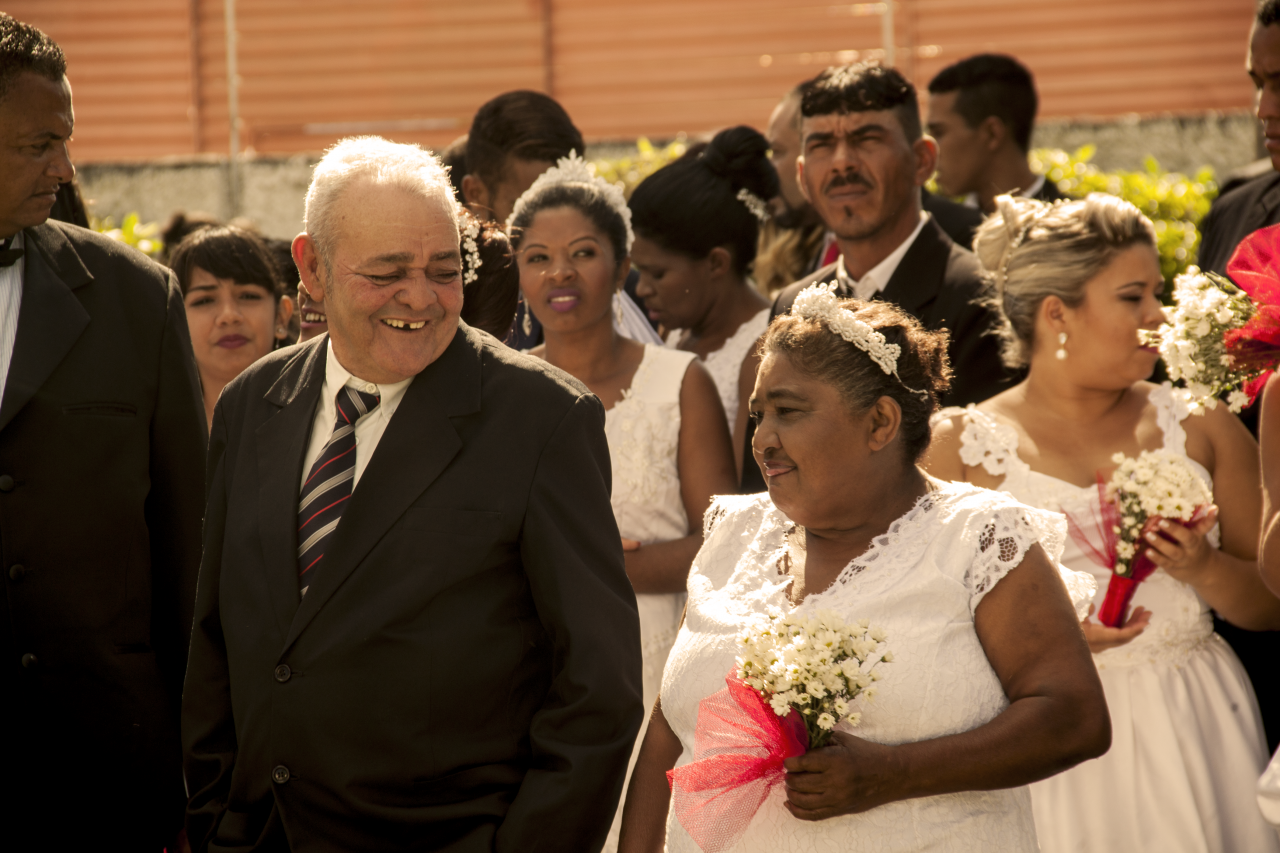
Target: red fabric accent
[
  {"x": 830, "y": 255},
  {"x": 1255, "y": 269},
  {"x": 335, "y": 503},
  {"x": 327, "y": 462},
  {"x": 309, "y": 565},
  {"x": 738, "y": 749}
]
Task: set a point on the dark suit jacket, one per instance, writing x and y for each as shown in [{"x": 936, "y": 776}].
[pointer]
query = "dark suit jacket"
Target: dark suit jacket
[
  {"x": 1049, "y": 192},
  {"x": 1234, "y": 216},
  {"x": 102, "y": 436},
  {"x": 464, "y": 673},
  {"x": 958, "y": 221},
  {"x": 941, "y": 285}
]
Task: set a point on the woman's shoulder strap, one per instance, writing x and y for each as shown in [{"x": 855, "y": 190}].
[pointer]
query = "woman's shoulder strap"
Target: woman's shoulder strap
[
  {"x": 1172, "y": 406},
  {"x": 984, "y": 440}
]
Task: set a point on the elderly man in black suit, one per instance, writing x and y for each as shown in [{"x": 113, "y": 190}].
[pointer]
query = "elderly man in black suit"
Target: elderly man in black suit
[
  {"x": 101, "y": 490},
  {"x": 414, "y": 630}
]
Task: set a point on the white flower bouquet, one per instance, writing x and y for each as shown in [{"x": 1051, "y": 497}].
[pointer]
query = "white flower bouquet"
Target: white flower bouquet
[{"x": 816, "y": 664}]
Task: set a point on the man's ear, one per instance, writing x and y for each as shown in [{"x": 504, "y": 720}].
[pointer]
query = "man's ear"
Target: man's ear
[
  {"x": 804, "y": 191},
  {"x": 308, "y": 261},
  {"x": 925, "y": 150},
  {"x": 477, "y": 196},
  {"x": 993, "y": 133}
]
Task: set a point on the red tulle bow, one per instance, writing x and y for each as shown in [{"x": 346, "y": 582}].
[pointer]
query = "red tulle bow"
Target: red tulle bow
[
  {"x": 738, "y": 749},
  {"x": 1255, "y": 269}
]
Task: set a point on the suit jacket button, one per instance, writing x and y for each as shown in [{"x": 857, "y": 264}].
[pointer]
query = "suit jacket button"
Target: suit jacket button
[
  {"x": 280, "y": 774},
  {"x": 6, "y": 483},
  {"x": 29, "y": 660},
  {"x": 16, "y": 571},
  {"x": 283, "y": 673}
]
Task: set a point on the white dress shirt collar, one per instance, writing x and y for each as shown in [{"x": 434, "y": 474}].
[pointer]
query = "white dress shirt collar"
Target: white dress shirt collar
[
  {"x": 877, "y": 278},
  {"x": 971, "y": 200},
  {"x": 10, "y": 305},
  {"x": 335, "y": 376}
]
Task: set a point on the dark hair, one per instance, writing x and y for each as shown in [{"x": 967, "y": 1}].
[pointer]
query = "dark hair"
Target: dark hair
[
  {"x": 182, "y": 225},
  {"x": 25, "y": 48},
  {"x": 454, "y": 159},
  {"x": 1268, "y": 13},
  {"x": 992, "y": 85},
  {"x": 281, "y": 252},
  {"x": 489, "y": 302},
  {"x": 823, "y": 355},
  {"x": 587, "y": 199},
  {"x": 691, "y": 206},
  {"x": 523, "y": 124},
  {"x": 225, "y": 251},
  {"x": 860, "y": 88}
]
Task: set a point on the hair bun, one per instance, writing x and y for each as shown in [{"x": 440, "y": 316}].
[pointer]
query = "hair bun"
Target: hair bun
[{"x": 740, "y": 155}]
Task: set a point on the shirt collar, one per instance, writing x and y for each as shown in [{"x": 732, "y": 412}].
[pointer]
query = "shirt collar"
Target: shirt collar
[
  {"x": 971, "y": 200},
  {"x": 877, "y": 278},
  {"x": 336, "y": 376}
]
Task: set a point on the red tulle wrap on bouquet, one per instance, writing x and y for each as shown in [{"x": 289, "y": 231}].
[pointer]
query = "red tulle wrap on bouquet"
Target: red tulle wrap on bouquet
[
  {"x": 1255, "y": 269},
  {"x": 738, "y": 749},
  {"x": 1095, "y": 533}
]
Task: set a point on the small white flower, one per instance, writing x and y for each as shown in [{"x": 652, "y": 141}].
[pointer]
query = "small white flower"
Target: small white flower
[{"x": 826, "y": 721}]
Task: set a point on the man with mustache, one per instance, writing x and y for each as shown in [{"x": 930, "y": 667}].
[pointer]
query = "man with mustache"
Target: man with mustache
[{"x": 863, "y": 161}]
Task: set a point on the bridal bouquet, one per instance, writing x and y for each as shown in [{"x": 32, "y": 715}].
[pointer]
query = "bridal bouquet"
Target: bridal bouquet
[
  {"x": 1159, "y": 484},
  {"x": 1223, "y": 338},
  {"x": 795, "y": 679}
]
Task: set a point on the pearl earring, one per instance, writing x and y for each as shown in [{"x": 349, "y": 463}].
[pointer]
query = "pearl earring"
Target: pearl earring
[
  {"x": 279, "y": 331},
  {"x": 1061, "y": 354}
]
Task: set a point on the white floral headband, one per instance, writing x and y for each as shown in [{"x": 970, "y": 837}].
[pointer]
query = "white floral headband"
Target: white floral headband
[
  {"x": 471, "y": 260},
  {"x": 819, "y": 302},
  {"x": 574, "y": 170},
  {"x": 759, "y": 209}
]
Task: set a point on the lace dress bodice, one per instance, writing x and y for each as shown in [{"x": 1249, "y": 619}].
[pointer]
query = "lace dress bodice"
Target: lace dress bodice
[
  {"x": 725, "y": 364},
  {"x": 922, "y": 582},
  {"x": 1181, "y": 621}
]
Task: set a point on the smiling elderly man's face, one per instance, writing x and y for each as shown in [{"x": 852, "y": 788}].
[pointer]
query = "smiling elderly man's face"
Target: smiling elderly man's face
[{"x": 392, "y": 286}]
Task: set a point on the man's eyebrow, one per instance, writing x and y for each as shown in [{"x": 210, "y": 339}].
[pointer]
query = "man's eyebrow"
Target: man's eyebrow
[
  {"x": 393, "y": 258},
  {"x": 447, "y": 254}
]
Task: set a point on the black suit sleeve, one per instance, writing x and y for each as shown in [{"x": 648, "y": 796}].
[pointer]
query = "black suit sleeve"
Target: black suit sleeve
[
  {"x": 208, "y": 727},
  {"x": 581, "y": 737},
  {"x": 977, "y": 370},
  {"x": 175, "y": 502}
]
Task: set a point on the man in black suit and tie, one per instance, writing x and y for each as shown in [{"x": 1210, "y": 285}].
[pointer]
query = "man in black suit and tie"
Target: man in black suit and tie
[
  {"x": 414, "y": 630},
  {"x": 982, "y": 111},
  {"x": 101, "y": 492},
  {"x": 863, "y": 161}
]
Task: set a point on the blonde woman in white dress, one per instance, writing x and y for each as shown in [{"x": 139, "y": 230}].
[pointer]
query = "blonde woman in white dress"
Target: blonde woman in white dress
[
  {"x": 1076, "y": 282},
  {"x": 697, "y": 224},
  {"x": 668, "y": 442}
]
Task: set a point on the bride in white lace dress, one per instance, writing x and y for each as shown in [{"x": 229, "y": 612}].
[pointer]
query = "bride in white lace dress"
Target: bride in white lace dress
[
  {"x": 697, "y": 225},
  {"x": 1076, "y": 282},
  {"x": 991, "y": 685},
  {"x": 668, "y": 443}
]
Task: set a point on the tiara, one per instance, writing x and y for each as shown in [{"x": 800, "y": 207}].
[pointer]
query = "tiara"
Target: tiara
[
  {"x": 574, "y": 170},
  {"x": 471, "y": 261},
  {"x": 819, "y": 302},
  {"x": 754, "y": 203}
]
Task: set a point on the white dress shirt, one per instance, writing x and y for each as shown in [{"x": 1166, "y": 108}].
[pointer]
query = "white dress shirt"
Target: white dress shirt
[
  {"x": 369, "y": 429},
  {"x": 10, "y": 304},
  {"x": 877, "y": 278}
]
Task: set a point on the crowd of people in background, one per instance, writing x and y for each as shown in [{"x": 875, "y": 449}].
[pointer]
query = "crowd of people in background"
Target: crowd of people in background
[{"x": 652, "y": 352}]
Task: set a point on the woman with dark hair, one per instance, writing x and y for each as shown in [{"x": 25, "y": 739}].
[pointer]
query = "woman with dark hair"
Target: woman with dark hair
[
  {"x": 991, "y": 686},
  {"x": 236, "y": 308},
  {"x": 490, "y": 277},
  {"x": 668, "y": 443},
  {"x": 697, "y": 224}
]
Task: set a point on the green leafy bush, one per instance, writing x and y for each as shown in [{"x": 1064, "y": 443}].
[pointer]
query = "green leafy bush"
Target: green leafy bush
[
  {"x": 145, "y": 237},
  {"x": 1174, "y": 202},
  {"x": 630, "y": 169}
]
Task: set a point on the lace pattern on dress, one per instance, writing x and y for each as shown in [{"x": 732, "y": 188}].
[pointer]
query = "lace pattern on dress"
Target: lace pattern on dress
[
  {"x": 1004, "y": 540},
  {"x": 984, "y": 441}
]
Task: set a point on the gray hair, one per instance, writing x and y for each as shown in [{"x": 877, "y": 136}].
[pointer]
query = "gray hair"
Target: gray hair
[
  {"x": 1032, "y": 250},
  {"x": 379, "y": 161}
]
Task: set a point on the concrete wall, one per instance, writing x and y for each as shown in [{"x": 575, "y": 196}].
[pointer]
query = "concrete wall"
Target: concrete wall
[{"x": 272, "y": 189}]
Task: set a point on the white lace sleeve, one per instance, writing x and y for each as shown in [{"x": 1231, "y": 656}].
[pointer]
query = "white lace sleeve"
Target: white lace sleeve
[{"x": 1003, "y": 536}]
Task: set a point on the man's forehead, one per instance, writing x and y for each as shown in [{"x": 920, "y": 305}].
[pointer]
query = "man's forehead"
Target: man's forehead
[
  {"x": 36, "y": 105},
  {"x": 844, "y": 123},
  {"x": 1264, "y": 50}
]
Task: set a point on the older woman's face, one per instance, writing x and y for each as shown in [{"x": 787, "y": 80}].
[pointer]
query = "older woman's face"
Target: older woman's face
[
  {"x": 568, "y": 274},
  {"x": 232, "y": 325},
  {"x": 1102, "y": 331},
  {"x": 808, "y": 443}
]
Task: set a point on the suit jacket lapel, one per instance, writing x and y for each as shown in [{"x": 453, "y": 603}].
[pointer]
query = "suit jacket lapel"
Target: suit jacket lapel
[
  {"x": 917, "y": 280},
  {"x": 1261, "y": 215},
  {"x": 418, "y": 444},
  {"x": 282, "y": 443},
  {"x": 50, "y": 318}
]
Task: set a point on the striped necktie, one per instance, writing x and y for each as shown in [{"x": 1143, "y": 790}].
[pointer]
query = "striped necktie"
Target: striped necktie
[{"x": 328, "y": 486}]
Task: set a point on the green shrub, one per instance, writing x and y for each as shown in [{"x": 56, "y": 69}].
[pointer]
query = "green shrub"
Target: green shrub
[
  {"x": 145, "y": 237},
  {"x": 631, "y": 169}
]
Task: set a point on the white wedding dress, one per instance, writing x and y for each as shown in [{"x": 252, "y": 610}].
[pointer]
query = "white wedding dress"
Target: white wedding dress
[
  {"x": 1186, "y": 736},
  {"x": 725, "y": 364},
  {"x": 643, "y": 430},
  {"x": 921, "y": 581}
]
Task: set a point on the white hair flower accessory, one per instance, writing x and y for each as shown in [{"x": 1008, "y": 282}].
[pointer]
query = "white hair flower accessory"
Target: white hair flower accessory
[
  {"x": 759, "y": 209},
  {"x": 574, "y": 170},
  {"x": 819, "y": 302},
  {"x": 471, "y": 260}
]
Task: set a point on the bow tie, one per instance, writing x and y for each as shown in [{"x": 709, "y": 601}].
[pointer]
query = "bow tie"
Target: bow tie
[{"x": 9, "y": 257}]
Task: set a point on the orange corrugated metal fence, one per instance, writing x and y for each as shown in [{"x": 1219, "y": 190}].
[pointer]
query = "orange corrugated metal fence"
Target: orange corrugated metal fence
[{"x": 149, "y": 76}]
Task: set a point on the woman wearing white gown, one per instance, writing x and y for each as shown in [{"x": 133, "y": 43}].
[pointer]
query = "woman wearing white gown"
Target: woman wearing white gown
[
  {"x": 668, "y": 443},
  {"x": 991, "y": 686},
  {"x": 697, "y": 223},
  {"x": 1075, "y": 283}
]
